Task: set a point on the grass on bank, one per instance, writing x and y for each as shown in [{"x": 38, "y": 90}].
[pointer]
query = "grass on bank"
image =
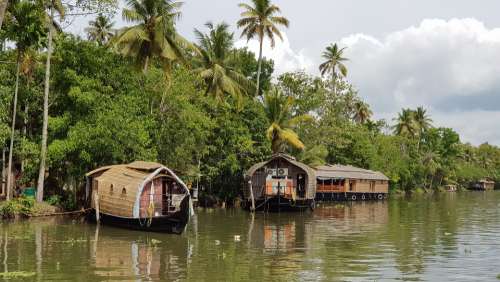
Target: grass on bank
[{"x": 25, "y": 207}]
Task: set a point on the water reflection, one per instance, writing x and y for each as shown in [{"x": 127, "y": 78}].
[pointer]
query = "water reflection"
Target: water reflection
[{"x": 455, "y": 236}]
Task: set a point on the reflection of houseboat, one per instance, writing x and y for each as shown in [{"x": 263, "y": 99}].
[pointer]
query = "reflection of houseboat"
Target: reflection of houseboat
[
  {"x": 140, "y": 195},
  {"x": 339, "y": 182},
  {"x": 280, "y": 183},
  {"x": 138, "y": 256},
  {"x": 483, "y": 184}
]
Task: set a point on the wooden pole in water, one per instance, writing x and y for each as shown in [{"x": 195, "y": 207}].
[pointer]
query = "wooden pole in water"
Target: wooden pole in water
[
  {"x": 251, "y": 196},
  {"x": 96, "y": 202}
]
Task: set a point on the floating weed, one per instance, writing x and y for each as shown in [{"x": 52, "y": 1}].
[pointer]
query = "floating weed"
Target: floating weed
[
  {"x": 72, "y": 241},
  {"x": 498, "y": 276},
  {"x": 155, "y": 242},
  {"x": 16, "y": 274}
]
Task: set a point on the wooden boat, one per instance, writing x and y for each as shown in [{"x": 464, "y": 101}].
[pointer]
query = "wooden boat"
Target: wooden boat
[
  {"x": 345, "y": 182},
  {"x": 281, "y": 183},
  {"x": 140, "y": 195},
  {"x": 483, "y": 185},
  {"x": 450, "y": 188}
]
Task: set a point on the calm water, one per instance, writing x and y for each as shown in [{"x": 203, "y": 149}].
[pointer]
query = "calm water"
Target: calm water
[{"x": 449, "y": 237}]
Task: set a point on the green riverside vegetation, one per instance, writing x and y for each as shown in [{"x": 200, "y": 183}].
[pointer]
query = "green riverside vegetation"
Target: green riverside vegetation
[{"x": 206, "y": 108}]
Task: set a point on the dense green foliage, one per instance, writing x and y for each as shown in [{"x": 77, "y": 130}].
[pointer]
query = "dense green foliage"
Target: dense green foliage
[{"x": 103, "y": 111}]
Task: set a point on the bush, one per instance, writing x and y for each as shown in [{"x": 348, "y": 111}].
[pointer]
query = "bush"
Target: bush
[
  {"x": 23, "y": 206},
  {"x": 54, "y": 200}
]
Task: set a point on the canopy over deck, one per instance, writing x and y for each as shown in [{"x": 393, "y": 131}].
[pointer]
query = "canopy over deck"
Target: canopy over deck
[{"x": 348, "y": 172}]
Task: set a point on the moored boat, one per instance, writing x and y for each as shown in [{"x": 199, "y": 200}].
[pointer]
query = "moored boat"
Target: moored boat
[
  {"x": 140, "y": 195},
  {"x": 281, "y": 183}
]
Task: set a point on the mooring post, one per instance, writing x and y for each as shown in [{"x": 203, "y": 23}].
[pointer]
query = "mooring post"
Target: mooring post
[
  {"x": 97, "y": 210},
  {"x": 251, "y": 196}
]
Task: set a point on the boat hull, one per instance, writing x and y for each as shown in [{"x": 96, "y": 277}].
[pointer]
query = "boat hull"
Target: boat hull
[
  {"x": 173, "y": 223},
  {"x": 279, "y": 204}
]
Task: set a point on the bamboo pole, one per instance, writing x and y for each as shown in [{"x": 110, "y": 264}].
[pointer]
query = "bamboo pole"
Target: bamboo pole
[{"x": 251, "y": 196}]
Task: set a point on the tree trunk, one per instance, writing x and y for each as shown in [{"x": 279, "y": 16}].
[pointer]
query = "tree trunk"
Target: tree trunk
[
  {"x": 3, "y": 7},
  {"x": 43, "y": 151},
  {"x": 11, "y": 147},
  {"x": 259, "y": 68},
  {"x": 3, "y": 172},
  {"x": 25, "y": 131},
  {"x": 145, "y": 66},
  {"x": 334, "y": 82}
]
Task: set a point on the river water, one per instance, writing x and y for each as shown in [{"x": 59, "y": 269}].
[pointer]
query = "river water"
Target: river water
[{"x": 446, "y": 237}]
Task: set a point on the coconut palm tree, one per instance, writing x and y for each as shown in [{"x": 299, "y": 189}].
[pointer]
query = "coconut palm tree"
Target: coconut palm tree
[
  {"x": 362, "y": 112},
  {"x": 25, "y": 28},
  {"x": 52, "y": 6},
  {"x": 100, "y": 29},
  {"x": 282, "y": 121},
  {"x": 154, "y": 34},
  {"x": 422, "y": 120},
  {"x": 214, "y": 66},
  {"x": 334, "y": 64},
  {"x": 405, "y": 124},
  {"x": 261, "y": 20}
]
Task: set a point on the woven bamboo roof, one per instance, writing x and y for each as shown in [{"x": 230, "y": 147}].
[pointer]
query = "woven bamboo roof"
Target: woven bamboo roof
[{"x": 348, "y": 172}]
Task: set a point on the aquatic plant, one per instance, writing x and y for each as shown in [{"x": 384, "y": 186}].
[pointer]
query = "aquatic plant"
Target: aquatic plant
[{"x": 16, "y": 274}]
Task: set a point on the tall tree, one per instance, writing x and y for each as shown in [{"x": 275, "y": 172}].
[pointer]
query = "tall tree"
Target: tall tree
[
  {"x": 422, "y": 120},
  {"x": 52, "y": 6},
  {"x": 100, "y": 29},
  {"x": 362, "y": 112},
  {"x": 334, "y": 64},
  {"x": 282, "y": 121},
  {"x": 3, "y": 8},
  {"x": 261, "y": 20},
  {"x": 154, "y": 34},
  {"x": 214, "y": 63},
  {"x": 25, "y": 28},
  {"x": 405, "y": 123}
]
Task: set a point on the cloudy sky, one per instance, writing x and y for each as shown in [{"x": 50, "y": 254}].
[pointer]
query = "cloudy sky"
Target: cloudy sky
[{"x": 440, "y": 54}]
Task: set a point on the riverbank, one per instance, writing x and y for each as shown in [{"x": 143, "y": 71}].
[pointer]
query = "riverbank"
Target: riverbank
[{"x": 26, "y": 207}]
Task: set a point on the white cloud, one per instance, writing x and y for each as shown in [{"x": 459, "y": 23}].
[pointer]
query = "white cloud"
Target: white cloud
[
  {"x": 450, "y": 67},
  {"x": 285, "y": 58}
]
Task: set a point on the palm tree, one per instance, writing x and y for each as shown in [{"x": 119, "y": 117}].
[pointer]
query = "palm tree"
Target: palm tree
[
  {"x": 52, "y": 6},
  {"x": 422, "y": 120},
  {"x": 100, "y": 29},
  {"x": 405, "y": 123},
  {"x": 261, "y": 20},
  {"x": 279, "y": 112},
  {"x": 214, "y": 64},
  {"x": 334, "y": 63},
  {"x": 153, "y": 35},
  {"x": 26, "y": 30},
  {"x": 362, "y": 112}
]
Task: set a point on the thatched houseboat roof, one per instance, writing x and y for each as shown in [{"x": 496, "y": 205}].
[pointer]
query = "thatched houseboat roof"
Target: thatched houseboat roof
[
  {"x": 310, "y": 171},
  {"x": 348, "y": 172}
]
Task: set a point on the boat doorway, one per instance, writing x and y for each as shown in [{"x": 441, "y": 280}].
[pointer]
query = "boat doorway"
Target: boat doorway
[{"x": 301, "y": 185}]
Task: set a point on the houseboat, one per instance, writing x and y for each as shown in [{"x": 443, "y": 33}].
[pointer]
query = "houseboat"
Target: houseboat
[
  {"x": 140, "y": 195},
  {"x": 341, "y": 182},
  {"x": 280, "y": 183},
  {"x": 483, "y": 185}
]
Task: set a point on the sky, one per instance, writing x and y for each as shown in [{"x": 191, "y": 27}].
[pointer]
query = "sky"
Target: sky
[{"x": 443, "y": 55}]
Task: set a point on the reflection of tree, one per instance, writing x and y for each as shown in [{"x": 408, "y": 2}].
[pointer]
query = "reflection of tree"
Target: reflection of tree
[{"x": 350, "y": 241}]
